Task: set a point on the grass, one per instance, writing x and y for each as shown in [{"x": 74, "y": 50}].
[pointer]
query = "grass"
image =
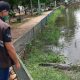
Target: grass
[
  {"x": 39, "y": 56},
  {"x": 50, "y": 36},
  {"x": 51, "y": 33},
  {"x": 33, "y": 59},
  {"x": 47, "y": 73},
  {"x": 36, "y": 54}
]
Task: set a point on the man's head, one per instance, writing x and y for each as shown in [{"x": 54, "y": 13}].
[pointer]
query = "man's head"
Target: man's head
[{"x": 4, "y": 8}]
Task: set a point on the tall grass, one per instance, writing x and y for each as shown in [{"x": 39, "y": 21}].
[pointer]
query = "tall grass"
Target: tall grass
[
  {"x": 53, "y": 18},
  {"x": 51, "y": 33}
]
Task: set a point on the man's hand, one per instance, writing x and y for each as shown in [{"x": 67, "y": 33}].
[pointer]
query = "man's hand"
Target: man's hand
[{"x": 17, "y": 65}]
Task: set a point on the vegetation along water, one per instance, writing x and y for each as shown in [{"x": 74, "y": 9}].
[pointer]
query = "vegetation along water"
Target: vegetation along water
[{"x": 36, "y": 54}]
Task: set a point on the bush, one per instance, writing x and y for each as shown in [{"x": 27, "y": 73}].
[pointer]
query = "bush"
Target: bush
[{"x": 12, "y": 13}]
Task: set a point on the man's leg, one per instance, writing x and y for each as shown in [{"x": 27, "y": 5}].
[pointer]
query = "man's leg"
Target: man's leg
[{"x": 4, "y": 73}]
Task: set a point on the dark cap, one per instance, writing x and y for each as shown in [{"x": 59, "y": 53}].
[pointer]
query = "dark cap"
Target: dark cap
[{"x": 4, "y": 6}]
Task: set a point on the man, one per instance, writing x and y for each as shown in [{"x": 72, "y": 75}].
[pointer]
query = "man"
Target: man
[{"x": 7, "y": 52}]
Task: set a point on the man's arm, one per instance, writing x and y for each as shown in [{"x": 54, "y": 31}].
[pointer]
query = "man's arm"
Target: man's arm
[
  {"x": 12, "y": 53},
  {"x": 9, "y": 46}
]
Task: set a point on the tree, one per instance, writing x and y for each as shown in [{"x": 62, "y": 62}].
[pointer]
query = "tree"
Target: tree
[
  {"x": 13, "y": 2},
  {"x": 31, "y": 7}
]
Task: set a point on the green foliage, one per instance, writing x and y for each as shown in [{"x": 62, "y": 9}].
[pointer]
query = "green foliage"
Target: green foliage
[
  {"x": 53, "y": 17},
  {"x": 12, "y": 13},
  {"x": 27, "y": 2},
  {"x": 13, "y": 2},
  {"x": 40, "y": 73},
  {"x": 35, "y": 57},
  {"x": 51, "y": 36},
  {"x": 51, "y": 33},
  {"x": 41, "y": 1},
  {"x": 39, "y": 56}
]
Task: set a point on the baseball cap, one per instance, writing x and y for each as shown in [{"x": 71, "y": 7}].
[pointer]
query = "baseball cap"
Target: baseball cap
[{"x": 4, "y": 6}]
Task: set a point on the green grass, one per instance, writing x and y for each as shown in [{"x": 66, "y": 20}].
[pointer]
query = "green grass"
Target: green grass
[
  {"x": 51, "y": 33},
  {"x": 39, "y": 56},
  {"x": 36, "y": 57},
  {"x": 53, "y": 18},
  {"x": 48, "y": 74},
  {"x": 50, "y": 36}
]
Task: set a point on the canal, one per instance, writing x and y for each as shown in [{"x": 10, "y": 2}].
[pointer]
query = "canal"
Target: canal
[{"x": 69, "y": 41}]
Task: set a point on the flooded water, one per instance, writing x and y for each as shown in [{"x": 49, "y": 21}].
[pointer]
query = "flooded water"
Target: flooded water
[{"x": 69, "y": 23}]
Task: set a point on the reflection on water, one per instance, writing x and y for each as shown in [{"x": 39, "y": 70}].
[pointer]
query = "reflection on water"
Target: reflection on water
[{"x": 69, "y": 24}]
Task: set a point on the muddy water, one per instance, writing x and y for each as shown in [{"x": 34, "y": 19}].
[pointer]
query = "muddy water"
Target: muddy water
[{"x": 69, "y": 23}]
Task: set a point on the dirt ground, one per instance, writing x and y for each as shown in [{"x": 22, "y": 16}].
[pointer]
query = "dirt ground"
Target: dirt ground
[{"x": 20, "y": 28}]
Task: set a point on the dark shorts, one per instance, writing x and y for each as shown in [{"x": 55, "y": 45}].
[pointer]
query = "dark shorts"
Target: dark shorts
[{"x": 4, "y": 74}]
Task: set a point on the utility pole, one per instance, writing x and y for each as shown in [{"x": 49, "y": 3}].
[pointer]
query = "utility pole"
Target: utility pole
[
  {"x": 39, "y": 7},
  {"x": 31, "y": 7}
]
